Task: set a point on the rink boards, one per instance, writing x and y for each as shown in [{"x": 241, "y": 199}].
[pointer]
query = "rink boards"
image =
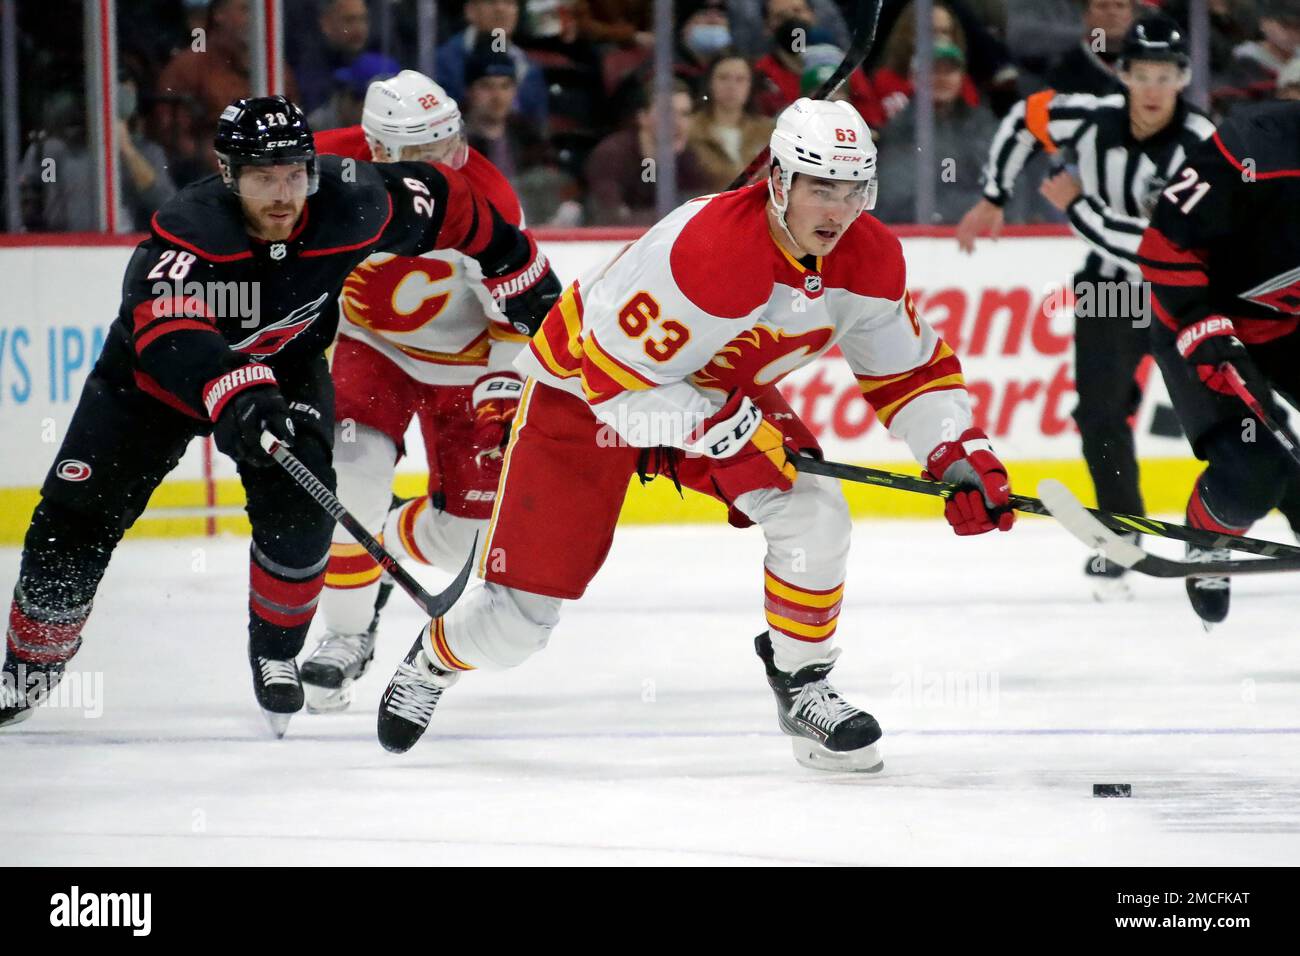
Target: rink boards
[{"x": 1003, "y": 310}]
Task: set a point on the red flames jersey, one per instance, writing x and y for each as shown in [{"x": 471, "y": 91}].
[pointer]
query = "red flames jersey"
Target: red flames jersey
[
  {"x": 429, "y": 314},
  {"x": 707, "y": 301}
]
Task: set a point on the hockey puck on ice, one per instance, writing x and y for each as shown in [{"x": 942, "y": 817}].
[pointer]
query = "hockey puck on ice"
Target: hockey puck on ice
[{"x": 1112, "y": 789}]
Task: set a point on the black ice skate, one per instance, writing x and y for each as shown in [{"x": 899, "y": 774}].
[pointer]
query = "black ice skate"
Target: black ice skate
[
  {"x": 329, "y": 672},
  {"x": 1109, "y": 580},
  {"x": 407, "y": 705},
  {"x": 1209, "y": 595},
  {"x": 24, "y": 686},
  {"x": 278, "y": 688},
  {"x": 828, "y": 733}
]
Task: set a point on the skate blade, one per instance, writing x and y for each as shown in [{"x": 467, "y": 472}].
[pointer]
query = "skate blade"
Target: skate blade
[
  {"x": 327, "y": 700},
  {"x": 23, "y": 714},
  {"x": 1111, "y": 590},
  {"x": 278, "y": 723},
  {"x": 814, "y": 755}
]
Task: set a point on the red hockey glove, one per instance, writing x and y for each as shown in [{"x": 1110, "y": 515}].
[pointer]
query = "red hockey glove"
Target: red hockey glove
[
  {"x": 496, "y": 399},
  {"x": 984, "y": 501},
  {"x": 798, "y": 436},
  {"x": 526, "y": 289},
  {"x": 1207, "y": 344},
  {"x": 748, "y": 450}
]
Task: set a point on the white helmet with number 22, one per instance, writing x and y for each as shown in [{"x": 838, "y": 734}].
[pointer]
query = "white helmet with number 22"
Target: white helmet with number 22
[{"x": 410, "y": 109}]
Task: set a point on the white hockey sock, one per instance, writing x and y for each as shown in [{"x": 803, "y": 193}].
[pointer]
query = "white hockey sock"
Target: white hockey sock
[
  {"x": 421, "y": 532},
  {"x": 492, "y": 627},
  {"x": 364, "y": 467}
]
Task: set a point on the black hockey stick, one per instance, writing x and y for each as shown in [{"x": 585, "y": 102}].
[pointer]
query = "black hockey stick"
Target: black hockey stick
[
  {"x": 1076, "y": 519},
  {"x": 864, "y": 37},
  {"x": 434, "y": 605},
  {"x": 1238, "y": 385},
  {"x": 1115, "y": 522}
]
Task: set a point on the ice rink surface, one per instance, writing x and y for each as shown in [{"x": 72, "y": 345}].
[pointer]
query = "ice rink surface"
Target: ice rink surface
[{"x": 645, "y": 733}]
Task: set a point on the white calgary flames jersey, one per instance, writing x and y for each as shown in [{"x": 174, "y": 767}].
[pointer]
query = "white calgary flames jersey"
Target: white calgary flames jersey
[
  {"x": 707, "y": 301},
  {"x": 430, "y": 315}
]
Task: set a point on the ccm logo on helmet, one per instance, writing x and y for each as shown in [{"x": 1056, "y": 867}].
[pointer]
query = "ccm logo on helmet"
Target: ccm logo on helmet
[{"x": 72, "y": 470}]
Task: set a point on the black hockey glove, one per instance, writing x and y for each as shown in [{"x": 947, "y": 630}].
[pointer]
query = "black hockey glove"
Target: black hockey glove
[
  {"x": 525, "y": 288},
  {"x": 238, "y": 429},
  {"x": 1207, "y": 344}
]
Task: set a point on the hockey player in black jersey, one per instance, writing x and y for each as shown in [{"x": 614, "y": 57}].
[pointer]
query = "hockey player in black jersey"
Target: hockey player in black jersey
[
  {"x": 227, "y": 309},
  {"x": 1222, "y": 255},
  {"x": 1125, "y": 147}
]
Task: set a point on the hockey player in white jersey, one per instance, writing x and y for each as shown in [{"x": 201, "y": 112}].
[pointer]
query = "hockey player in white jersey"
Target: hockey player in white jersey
[
  {"x": 420, "y": 338},
  {"x": 661, "y": 365}
]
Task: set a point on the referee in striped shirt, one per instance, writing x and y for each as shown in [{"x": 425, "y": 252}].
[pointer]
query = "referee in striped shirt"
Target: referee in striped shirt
[{"x": 1126, "y": 147}]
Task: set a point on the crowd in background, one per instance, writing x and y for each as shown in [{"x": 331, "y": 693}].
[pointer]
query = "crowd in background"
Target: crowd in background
[{"x": 564, "y": 107}]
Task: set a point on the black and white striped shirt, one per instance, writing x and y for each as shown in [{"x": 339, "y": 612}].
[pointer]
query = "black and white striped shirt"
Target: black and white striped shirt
[{"x": 1121, "y": 177}]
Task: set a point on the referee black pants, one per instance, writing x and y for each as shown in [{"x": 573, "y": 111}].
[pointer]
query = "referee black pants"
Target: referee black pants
[{"x": 1107, "y": 351}]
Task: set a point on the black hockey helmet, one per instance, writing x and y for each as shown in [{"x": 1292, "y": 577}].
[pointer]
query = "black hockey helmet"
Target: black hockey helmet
[
  {"x": 1155, "y": 38},
  {"x": 264, "y": 131}
]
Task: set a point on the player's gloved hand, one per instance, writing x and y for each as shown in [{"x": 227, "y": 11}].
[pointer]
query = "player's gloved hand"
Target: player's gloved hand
[
  {"x": 241, "y": 421},
  {"x": 750, "y": 452},
  {"x": 496, "y": 399},
  {"x": 524, "y": 288},
  {"x": 1207, "y": 344},
  {"x": 984, "y": 501},
  {"x": 798, "y": 437}
]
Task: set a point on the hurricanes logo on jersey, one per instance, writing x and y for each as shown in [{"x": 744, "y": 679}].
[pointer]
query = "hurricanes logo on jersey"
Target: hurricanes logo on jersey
[
  {"x": 1280, "y": 293},
  {"x": 272, "y": 338}
]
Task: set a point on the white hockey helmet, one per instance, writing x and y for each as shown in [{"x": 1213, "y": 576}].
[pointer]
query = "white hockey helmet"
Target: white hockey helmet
[
  {"x": 820, "y": 138},
  {"x": 410, "y": 109}
]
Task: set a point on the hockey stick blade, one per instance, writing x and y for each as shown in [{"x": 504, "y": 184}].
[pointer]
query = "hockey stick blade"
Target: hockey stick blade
[
  {"x": 434, "y": 605},
  {"x": 1076, "y": 519}
]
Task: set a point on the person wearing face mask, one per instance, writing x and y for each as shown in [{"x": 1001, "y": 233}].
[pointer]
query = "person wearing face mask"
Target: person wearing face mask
[
  {"x": 791, "y": 31},
  {"x": 703, "y": 32}
]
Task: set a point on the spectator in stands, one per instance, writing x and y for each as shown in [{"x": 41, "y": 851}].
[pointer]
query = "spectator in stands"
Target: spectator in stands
[
  {"x": 726, "y": 132},
  {"x": 779, "y": 72},
  {"x": 1042, "y": 31},
  {"x": 620, "y": 170},
  {"x": 619, "y": 22},
  {"x": 1256, "y": 64},
  {"x": 962, "y": 131},
  {"x": 492, "y": 125},
  {"x": 512, "y": 142},
  {"x": 498, "y": 19},
  {"x": 350, "y": 85},
  {"x": 893, "y": 79},
  {"x": 752, "y": 37},
  {"x": 1090, "y": 66},
  {"x": 199, "y": 83},
  {"x": 318, "y": 55},
  {"x": 1288, "y": 81},
  {"x": 703, "y": 32},
  {"x": 1232, "y": 23},
  {"x": 57, "y": 173}
]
